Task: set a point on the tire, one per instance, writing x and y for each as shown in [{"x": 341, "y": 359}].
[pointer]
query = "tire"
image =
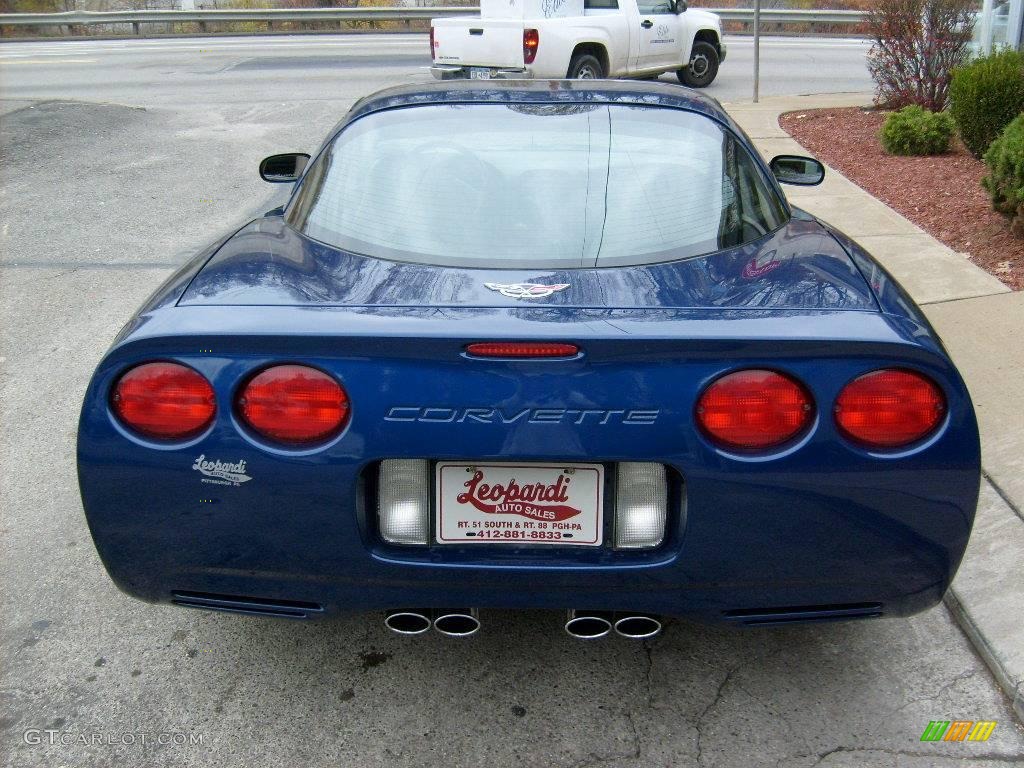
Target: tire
[
  {"x": 585, "y": 67},
  {"x": 703, "y": 66}
]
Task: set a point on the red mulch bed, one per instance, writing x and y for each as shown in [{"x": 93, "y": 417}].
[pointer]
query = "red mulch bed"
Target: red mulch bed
[{"x": 942, "y": 194}]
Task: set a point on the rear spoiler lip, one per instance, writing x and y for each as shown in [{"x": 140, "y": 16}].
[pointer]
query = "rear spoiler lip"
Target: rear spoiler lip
[{"x": 607, "y": 334}]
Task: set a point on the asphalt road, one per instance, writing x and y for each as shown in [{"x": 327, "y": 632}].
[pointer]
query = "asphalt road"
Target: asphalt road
[
  {"x": 176, "y": 73},
  {"x": 98, "y": 202}
]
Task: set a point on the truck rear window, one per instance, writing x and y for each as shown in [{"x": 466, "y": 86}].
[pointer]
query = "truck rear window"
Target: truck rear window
[{"x": 524, "y": 186}]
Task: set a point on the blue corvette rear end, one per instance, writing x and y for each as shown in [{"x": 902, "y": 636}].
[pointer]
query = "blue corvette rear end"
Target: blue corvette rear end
[{"x": 817, "y": 527}]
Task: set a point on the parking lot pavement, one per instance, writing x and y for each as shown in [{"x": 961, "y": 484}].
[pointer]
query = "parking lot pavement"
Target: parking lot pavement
[{"x": 98, "y": 204}]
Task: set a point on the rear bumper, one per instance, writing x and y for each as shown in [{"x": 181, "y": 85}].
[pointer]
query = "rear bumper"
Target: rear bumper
[
  {"x": 740, "y": 550},
  {"x": 822, "y": 523},
  {"x": 453, "y": 72},
  {"x": 286, "y": 598}
]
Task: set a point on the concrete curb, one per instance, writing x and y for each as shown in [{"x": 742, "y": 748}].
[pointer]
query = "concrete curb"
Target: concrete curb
[
  {"x": 954, "y": 293},
  {"x": 1013, "y": 689}
]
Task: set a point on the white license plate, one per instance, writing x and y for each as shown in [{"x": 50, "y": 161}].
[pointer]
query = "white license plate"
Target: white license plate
[
  {"x": 520, "y": 503},
  {"x": 479, "y": 73}
]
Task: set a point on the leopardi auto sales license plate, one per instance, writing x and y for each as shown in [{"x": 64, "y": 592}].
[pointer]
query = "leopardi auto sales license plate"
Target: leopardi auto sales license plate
[{"x": 520, "y": 503}]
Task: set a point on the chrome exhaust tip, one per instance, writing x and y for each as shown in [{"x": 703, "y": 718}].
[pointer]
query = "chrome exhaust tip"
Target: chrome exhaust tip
[
  {"x": 588, "y": 625},
  {"x": 407, "y": 622},
  {"x": 640, "y": 626},
  {"x": 458, "y": 623}
]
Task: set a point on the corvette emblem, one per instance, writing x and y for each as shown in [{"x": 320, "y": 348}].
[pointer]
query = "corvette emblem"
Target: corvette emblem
[{"x": 526, "y": 290}]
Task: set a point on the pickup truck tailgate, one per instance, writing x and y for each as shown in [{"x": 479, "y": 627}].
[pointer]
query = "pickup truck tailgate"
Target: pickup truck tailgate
[{"x": 478, "y": 42}]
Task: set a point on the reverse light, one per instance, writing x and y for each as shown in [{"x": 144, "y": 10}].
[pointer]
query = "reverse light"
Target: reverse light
[
  {"x": 531, "y": 42},
  {"x": 165, "y": 401},
  {"x": 294, "y": 404},
  {"x": 754, "y": 410},
  {"x": 641, "y": 504},
  {"x": 521, "y": 349},
  {"x": 403, "y": 501},
  {"x": 889, "y": 408}
]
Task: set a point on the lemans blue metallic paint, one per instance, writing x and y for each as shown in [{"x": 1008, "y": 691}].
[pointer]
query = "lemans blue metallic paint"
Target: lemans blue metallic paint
[
  {"x": 812, "y": 527},
  {"x": 268, "y": 263}
]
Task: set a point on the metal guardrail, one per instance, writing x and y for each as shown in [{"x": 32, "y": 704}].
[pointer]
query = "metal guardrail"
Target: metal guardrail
[
  {"x": 239, "y": 14},
  {"x": 783, "y": 15},
  {"x": 271, "y": 15}
]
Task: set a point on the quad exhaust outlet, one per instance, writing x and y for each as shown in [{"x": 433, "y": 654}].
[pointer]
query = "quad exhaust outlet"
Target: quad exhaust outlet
[
  {"x": 455, "y": 623},
  {"x": 592, "y": 625},
  {"x": 583, "y": 625}
]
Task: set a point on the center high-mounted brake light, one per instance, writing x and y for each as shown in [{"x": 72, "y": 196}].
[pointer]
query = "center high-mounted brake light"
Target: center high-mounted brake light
[
  {"x": 531, "y": 42},
  {"x": 521, "y": 349}
]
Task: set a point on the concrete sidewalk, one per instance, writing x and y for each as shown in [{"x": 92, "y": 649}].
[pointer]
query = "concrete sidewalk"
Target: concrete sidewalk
[{"x": 981, "y": 322}]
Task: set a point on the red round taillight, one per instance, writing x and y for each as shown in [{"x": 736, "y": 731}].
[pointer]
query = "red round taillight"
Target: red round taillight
[
  {"x": 753, "y": 410},
  {"x": 166, "y": 401},
  {"x": 294, "y": 404},
  {"x": 890, "y": 408}
]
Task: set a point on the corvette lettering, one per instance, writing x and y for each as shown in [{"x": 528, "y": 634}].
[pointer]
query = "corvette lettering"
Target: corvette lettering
[
  {"x": 515, "y": 499},
  {"x": 579, "y": 416}
]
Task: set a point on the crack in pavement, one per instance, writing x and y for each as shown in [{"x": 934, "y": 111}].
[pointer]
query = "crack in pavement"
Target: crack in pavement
[
  {"x": 596, "y": 759},
  {"x": 699, "y": 723},
  {"x": 965, "y": 675}
]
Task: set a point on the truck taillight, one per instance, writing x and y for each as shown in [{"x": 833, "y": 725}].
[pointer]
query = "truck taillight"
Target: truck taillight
[
  {"x": 531, "y": 42},
  {"x": 164, "y": 401},
  {"x": 294, "y": 404},
  {"x": 431, "y": 43}
]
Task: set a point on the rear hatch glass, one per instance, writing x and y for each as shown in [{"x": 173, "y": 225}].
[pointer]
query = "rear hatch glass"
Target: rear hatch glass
[{"x": 527, "y": 186}]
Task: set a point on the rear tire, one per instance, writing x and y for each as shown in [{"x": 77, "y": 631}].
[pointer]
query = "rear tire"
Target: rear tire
[
  {"x": 585, "y": 67},
  {"x": 703, "y": 66}
]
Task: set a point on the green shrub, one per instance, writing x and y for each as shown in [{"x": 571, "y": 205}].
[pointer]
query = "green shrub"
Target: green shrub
[
  {"x": 1005, "y": 180},
  {"x": 916, "y": 131},
  {"x": 985, "y": 96}
]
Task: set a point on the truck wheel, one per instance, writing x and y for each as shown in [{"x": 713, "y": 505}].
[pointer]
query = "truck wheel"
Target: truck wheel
[
  {"x": 585, "y": 67},
  {"x": 702, "y": 68}
]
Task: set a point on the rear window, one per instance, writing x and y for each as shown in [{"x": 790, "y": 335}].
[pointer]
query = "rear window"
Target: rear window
[{"x": 522, "y": 186}]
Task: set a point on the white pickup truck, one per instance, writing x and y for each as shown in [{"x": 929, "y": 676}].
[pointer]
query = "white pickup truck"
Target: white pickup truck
[{"x": 554, "y": 39}]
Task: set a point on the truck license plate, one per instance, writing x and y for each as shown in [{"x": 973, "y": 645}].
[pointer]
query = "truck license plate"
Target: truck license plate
[
  {"x": 479, "y": 73},
  {"x": 520, "y": 503}
]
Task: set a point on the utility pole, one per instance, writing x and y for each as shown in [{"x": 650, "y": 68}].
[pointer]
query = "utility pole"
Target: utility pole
[{"x": 757, "y": 48}]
